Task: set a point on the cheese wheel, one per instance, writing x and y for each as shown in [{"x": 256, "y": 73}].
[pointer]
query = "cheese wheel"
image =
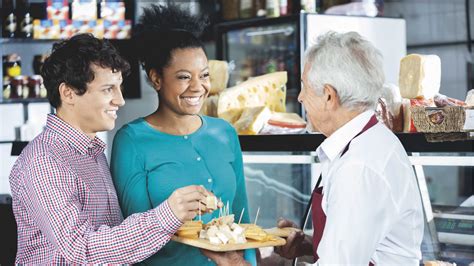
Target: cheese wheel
[{"x": 267, "y": 90}]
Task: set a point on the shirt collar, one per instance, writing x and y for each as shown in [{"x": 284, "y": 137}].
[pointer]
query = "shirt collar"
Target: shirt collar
[
  {"x": 75, "y": 138},
  {"x": 334, "y": 144}
]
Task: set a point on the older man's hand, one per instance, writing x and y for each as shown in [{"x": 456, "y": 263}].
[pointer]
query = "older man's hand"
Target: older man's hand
[{"x": 297, "y": 243}]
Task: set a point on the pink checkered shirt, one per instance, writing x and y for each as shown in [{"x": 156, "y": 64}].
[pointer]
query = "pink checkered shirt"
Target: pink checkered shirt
[{"x": 66, "y": 206}]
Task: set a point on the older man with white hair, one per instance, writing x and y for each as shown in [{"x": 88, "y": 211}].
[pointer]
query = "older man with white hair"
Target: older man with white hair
[{"x": 366, "y": 208}]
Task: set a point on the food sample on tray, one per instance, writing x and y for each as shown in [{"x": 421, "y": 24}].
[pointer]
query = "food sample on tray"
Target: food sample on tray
[
  {"x": 223, "y": 230},
  {"x": 190, "y": 229},
  {"x": 420, "y": 76},
  {"x": 212, "y": 203}
]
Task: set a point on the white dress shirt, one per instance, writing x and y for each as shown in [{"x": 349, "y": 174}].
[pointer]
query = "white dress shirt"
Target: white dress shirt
[{"x": 370, "y": 197}]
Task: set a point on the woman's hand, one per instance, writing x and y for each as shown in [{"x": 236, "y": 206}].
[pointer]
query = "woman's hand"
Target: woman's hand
[
  {"x": 186, "y": 202},
  {"x": 230, "y": 258}
]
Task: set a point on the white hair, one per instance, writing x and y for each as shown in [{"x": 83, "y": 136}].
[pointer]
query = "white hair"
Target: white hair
[{"x": 350, "y": 64}]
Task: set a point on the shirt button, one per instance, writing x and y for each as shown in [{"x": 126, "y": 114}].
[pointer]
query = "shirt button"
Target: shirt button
[
  {"x": 198, "y": 158},
  {"x": 209, "y": 180},
  {"x": 185, "y": 137},
  {"x": 208, "y": 259}
]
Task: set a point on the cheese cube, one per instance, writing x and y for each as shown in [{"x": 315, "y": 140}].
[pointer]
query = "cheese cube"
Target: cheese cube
[
  {"x": 420, "y": 76},
  {"x": 267, "y": 90},
  {"x": 252, "y": 120},
  {"x": 222, "y": 237},
  {"x": 211, "y": 202},
  {"x": 203, "y": 234},
  {"x": 214, "y": 240}
]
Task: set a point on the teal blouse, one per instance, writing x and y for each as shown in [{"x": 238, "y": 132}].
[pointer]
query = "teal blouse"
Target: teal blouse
[{"x": 148, "y": 165}]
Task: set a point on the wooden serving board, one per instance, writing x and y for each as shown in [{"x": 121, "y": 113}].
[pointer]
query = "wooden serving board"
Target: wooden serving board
[{"x": 205, "y": 244}]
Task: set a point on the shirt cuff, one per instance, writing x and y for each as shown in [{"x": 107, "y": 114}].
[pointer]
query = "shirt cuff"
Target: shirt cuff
[{"x": 167, "y": 218}]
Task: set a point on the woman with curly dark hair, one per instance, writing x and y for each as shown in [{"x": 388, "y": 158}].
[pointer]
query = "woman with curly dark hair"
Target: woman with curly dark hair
[{"x": 175, "y": 146}]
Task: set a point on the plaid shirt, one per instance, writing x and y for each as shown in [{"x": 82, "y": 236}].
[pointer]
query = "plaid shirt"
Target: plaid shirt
[{"x": 66, "y": 207}]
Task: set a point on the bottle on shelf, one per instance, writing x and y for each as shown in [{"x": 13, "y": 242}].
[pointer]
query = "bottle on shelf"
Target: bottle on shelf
[
  {"x": 260, "y": 10},
  {"x": 25, "y": 21},
  {"x": 273, "y": 8},
  {"x": 283, "y": 7},
  {"x": 308, "y": 6},
  {"x": 246, "y": 8},
  {"x": 12, "y": 65},
  {"x": 25, "y": 90},
  {"x": 34, "y": 86},
  {"x": 7, "y": 88},
  {"x": 230, "y": 9},
  {"x": 16, "y": 87},
  {"x": 8, "y": 19}
]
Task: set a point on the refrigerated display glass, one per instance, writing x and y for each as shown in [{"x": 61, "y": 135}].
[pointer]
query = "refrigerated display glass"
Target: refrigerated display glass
[{"x": 260, "y": 47}]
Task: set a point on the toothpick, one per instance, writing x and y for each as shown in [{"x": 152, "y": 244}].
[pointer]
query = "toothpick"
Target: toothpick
[
  {"x": 221, "y": 210},
  {"x": 227, "y": 209},
  {"x": 199, "y": 211},
  {"x": 256, "y": 216},
  {"x": 241, "y": 214}
]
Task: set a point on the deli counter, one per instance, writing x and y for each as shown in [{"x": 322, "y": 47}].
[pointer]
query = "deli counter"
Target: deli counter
[{"x": 281, "y": 171}]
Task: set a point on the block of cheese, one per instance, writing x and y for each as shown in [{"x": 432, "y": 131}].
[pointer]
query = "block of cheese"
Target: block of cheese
[
  {"x": 470, "y": 98},
  {"x": 420, "y": 76},
  {"x": 267, "y": 90},
  {"x": 252, "y": 120},
  {"x": 219, "y": 75},
  {"x": 209, "y": 106}
]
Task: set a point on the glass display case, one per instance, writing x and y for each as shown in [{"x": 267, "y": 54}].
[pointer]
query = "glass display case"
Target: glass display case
[
  {"x": 259, "y": 46},
  {"x": 281, "y": 171},
  {"x": 264, "y": 45}
]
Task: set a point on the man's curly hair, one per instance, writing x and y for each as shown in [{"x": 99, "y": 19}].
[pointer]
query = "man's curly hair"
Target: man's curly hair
[{"x": 70, "y": 63}]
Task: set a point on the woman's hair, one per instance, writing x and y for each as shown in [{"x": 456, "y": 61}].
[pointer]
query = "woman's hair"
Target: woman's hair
[
  {"x": 350, "y": 64},
  {"x": 70, "y": 63},
  {"x": 161, "y": 30}
]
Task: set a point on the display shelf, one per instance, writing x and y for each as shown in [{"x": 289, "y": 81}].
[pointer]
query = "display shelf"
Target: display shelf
[
  {"x": 7, "y": 41},
  {"x": 24, "y": 101},
  {"x": 412, "y": 142}
]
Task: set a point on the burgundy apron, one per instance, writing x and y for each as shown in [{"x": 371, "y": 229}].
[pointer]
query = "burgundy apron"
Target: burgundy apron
[{"x": 317, "y": 213}]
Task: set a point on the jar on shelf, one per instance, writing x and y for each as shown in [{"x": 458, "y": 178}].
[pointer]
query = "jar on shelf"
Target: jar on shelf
[
  {"x": 7, "y": 89},
  {"x": 12, "y": 65},
  {"x": 34, "y": 85},
  {"x": 16, "y": 87}
]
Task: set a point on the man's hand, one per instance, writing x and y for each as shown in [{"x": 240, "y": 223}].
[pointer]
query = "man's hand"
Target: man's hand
[
  {"x": 297, "y": 243},
  {"x": 186, "y": 202},
  {"x": 230, "y": 258}
]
